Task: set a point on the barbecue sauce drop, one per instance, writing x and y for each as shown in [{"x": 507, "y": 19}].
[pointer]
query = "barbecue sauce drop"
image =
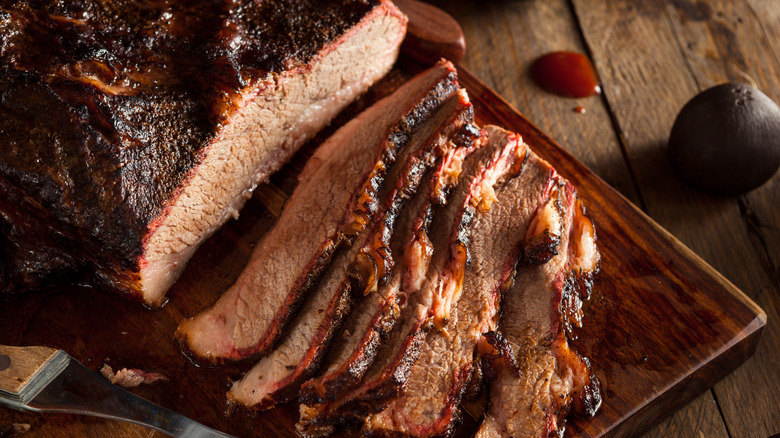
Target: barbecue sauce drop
[{"x": 567, "y": 74}]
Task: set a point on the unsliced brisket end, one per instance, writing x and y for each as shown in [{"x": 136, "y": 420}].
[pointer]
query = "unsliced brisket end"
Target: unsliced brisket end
[
  {"x": 330, "y": 206},
  {"x": 136, "y": 163},
  {"x": 374, "y": 317},
  {"x": 536, "y": 377},
  {"x": 429, "y": 406},
  {"x": 272, "y": 381}
]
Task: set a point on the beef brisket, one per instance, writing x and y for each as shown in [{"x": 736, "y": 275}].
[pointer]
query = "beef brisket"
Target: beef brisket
[
  {"x": 273, "y": 380},
  {"x": 371, "y": 329},
  {"x": 322, "y": 401},
  {"x": 429, "y": 406},
  {"x": 374, "y": 316},
  {"x": 332, "y": 203},
  {"x": 375, "y": 260},
  {"x": 535, "y": 376},
  {"x": 130, "y": 131},
  {"x": 449, "y": 236}
]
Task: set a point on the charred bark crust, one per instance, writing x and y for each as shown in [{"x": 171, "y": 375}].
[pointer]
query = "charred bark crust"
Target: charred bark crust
[{"x": 96, "y": 132}]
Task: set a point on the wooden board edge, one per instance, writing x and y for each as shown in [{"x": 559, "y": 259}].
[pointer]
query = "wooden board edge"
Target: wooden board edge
[
  {"x": 702, "y": 264},
  {"x": 690, "y": 386}
]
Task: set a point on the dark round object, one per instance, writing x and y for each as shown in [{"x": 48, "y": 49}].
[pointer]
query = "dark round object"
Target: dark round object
[{"x": 726, "y": 139}]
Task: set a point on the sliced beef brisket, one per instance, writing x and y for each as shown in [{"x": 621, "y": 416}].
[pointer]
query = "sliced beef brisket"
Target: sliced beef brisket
[
  {"x": 535, "y": 376},
  {"x": 429, "y": 406},
  {"x": 273, "y": 380},
  {"x": 375, "y": 260},
  {"x": 130, "y": 131},
  {"x": 375, "y": 315},
  {"x": 449, "y": 238},
  {"x": 331, "y": 205}
]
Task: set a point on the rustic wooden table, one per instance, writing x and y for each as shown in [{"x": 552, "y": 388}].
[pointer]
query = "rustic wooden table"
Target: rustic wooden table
[{"x": 652, "y": 56}]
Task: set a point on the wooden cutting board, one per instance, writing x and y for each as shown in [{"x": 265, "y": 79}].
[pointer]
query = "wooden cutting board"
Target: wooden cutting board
[{"x": 661, "y": 327}]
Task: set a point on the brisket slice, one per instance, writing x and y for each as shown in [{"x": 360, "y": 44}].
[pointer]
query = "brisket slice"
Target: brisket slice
[
  {"x": 332, "y": 203},
  {"x": 429, "y": 406},
  {"x": 272, "y": 380},
  {"x": 374, "y": 263},
  {"x": 388, "y": 375},
  {"x": 374, "y": 316},
  {"x": 322, "y": 398},
  {"x": 536, "y": 377},
  {"x": 138, "y": 128}
]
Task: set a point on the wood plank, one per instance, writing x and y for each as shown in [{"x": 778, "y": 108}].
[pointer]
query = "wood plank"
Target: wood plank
[
  {"x": 664, "y": 79},
  {"x": 700, "y": 419},
  {"x": 737, "y": 41},
  {"x": 646, "y": 94},
  {"x": 725, "y": 41}
]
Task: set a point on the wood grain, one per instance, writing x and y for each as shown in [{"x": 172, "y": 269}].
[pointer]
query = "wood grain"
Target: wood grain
[
  {"x": 699, "y": 419},
  {"x": 728, "y": 41},
  {"x": 18, "y": 365},
  {"x": 431, "y": 34},
  {"x": 504, "y": 38},
  {"x": 702, "y": 44},
  {"x": 659, "y": 84}
]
